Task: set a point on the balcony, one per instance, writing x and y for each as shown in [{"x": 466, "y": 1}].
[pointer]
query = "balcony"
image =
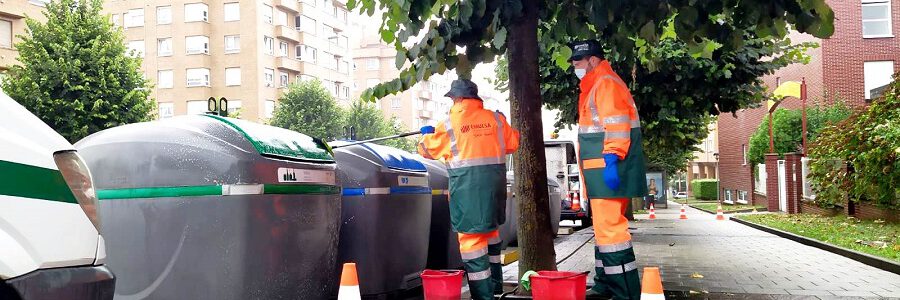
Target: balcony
[
  {"x": 287, "y": 63},
  {"x": 287, "y": 33},
  {"x": 425, "y": 114},
  {"x": 291, "y": 5},
  {"x": 425, "y": 94}
]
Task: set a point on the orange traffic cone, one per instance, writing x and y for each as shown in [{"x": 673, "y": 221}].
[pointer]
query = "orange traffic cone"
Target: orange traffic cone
[
  {"x": 652, "y": 212},
  {"x": 651, "y": 285},
  {"x": 349, "y": 283},
  {"x": 683, "y": 214},
  {"x": 576, "y": 202},
  {"x": 719, "y": 215}
]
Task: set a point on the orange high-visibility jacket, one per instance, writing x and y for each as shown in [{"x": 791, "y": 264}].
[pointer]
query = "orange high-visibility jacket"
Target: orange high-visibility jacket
[
  {"x": 474, "y": 143},
  {"x": 472, "y": 136},
  {"x": 608, "y": 122}
]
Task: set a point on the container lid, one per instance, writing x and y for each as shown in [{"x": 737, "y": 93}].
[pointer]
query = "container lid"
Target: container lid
[
  {"x": 280, "y": 142},
  {"x": 395, "y": 158}
]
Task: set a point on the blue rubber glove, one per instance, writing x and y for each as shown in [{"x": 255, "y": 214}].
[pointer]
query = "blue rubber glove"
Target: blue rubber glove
[
  {"x": 427, "y": 129},
  {"x": 611, "y": 172}
]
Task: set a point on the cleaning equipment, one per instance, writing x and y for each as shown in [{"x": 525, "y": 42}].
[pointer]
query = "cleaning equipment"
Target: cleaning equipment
[
  {"x": 406, "y": 134},
  {"x": 651, "y": 285},
  {"x": 683, "y": 214},
  {"x": 349, "y": 283},
  {"x": 558, "y": 285},
  {"x": 719, "y": 215},
  {"x": 652, "y": 212},
  {"x": 442, "y": 284}
]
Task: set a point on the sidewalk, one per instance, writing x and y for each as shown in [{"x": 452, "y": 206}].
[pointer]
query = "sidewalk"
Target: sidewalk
[{"x": 732, "y": 258}]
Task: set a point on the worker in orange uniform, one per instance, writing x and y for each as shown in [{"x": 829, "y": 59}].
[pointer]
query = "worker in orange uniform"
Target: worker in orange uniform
[
  {"x": 612, "y": 166},
  {"x": 474, "y": 143}
]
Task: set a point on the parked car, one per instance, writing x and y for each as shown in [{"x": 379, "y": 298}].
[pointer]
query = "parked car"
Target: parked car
[
  {"x": 50, "y": 247},
  {"x": 680, "y": 195}
]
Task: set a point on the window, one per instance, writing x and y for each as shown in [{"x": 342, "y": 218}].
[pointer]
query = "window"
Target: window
[
  {"x": 742, "y": 197},
  {"x": 196, "y": 12},
  {"x": 346, "y": 92},
  {"x": 395, "y": 103},
  {"x": 232, "y": 76},
  {"x": 282, "y": 49},
  {"x": 309, "y": 54},
  {"x": 134, "y": 18},
  {"x": 164, "y": 15},
  {"x": 5, "y": 34},
  {"x": 345, "y": 67},
  {"x": 197, "y": 77},
  {"x": 166, "y": 110},
  {"x": 267, "y": 13},
  {"x": 232, "y": 43},
  {"x": 307, "y": 24},
  {"x": 728, "y": 197},
  {"x": 372, "y": 82},
  {"x": 164, "y": 79},
  {"x": 116, "y": 18},
  {"x": 269, "y": 45},
  {"x": 41, "y": 3},
  {"x": 197, "y": 107},
  {"x": 877, "y": 74},
  {"x": 269, "y": 76},
  {"x": 232, "y": 12},
  {"x": 283, "y": 82},
  {"x": 744, "y": 152},
  {"x": 876, "y": 18},
  {"x": 280, "y": 18},
  {"x": 298, "y": 52},
  {"x": 373, "y": 64},
  {"x": 269, "y": 108},
  {"x": 164, "y": 47},
  {"x": 137, "y": 47},
  {"x": 233, "y": 107},
  {"x": 196, "y": 44}
]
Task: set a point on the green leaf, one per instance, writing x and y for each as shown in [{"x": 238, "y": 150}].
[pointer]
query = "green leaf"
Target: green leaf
[
  {"x": 648, "y": 31},
  {"x": 561, "y": 57},
  {"x": 500, "y": 38},
  {"x": 387, "y": 36}
]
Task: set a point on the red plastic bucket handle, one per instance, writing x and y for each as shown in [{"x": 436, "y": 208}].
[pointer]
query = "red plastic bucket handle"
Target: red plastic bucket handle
[{"x": 570, "y": 276}]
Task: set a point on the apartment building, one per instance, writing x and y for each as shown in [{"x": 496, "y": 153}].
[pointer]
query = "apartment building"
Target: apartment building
[
  {"x": 246, "y": 51},
  {"x": 861, "y": 56},
  {"x": 12, "y": 24},
  {"x": 423, "y": 104}
]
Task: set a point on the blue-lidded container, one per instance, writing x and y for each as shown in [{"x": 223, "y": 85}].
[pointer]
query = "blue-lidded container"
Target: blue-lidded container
[{"x": 385, "y": 217}]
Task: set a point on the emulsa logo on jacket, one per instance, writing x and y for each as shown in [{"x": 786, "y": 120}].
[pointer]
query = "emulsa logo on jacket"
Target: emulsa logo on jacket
[{"x": 469, "y": 127}]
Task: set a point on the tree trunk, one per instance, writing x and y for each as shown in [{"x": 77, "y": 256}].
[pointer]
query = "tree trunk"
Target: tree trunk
[{"x": 529, "y": 164}]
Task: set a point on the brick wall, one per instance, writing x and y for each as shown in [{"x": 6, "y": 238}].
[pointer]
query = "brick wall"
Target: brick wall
[
  {"x": 846, "y": 50},
  {"x": 772, "y": 182},
  {"x": 868, "y": 211},
  {"x": 810, "y": 208},
  {"x": 794, "y": 181}
]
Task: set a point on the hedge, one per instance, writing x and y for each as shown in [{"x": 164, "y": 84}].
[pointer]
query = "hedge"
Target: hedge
[{"x": 705, "y": 189}]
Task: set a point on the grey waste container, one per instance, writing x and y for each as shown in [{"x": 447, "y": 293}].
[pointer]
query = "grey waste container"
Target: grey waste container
[
  {"x": 205, "y": 207},
  {"x": 385, "y": 218},
  {"x": 508, "y": 229},
  {"x": 443, "y": 244}
]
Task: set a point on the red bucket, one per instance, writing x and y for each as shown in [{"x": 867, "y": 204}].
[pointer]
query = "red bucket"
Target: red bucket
[
  {"x": 443, "y": 284},
  {"x": 558, "y": 285}
]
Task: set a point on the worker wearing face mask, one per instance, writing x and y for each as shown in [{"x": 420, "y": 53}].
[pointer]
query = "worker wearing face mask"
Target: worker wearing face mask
[{"x": 612, "y": 167}]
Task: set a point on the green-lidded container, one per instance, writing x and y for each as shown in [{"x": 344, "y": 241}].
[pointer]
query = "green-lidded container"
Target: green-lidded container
[{"x": 207, "y": 207}]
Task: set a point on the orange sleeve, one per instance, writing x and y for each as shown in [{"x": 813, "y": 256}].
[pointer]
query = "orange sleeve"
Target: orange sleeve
[
  {"x": 615, "y": 108},
  {"x": 510, "y": 135},
  {"x": 435, "y": 145}
]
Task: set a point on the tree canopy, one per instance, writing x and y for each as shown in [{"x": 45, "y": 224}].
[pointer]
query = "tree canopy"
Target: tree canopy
[
  {"x": 368, "y": 122},
  {"x": 307, "y": 107},
  {"x": 787, "y": 129},
  {"x": 75, "y": 74}
]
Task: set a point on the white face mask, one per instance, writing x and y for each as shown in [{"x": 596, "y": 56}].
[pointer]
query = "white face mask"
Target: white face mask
[{"x": 580, "y": 73}]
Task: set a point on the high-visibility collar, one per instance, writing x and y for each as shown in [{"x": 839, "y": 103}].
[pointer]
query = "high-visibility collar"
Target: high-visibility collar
[
  {"x": 589, "y": 79},
  {"x": 467, "y": 104}
]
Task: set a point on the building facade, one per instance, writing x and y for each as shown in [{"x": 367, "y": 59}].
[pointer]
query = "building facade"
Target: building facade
[
  {"x": 861, "y": 55},
  {"x": 12, "y": 24},
  {"x": 420, "y": 105},
  {"x": 246, "y": 51},
  {"x": 705, "y": 162}
]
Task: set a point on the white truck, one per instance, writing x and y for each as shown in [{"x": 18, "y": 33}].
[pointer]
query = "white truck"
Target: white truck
[
  {"x": 50, "y": 247},
  {"x": 562, "y": 164}
]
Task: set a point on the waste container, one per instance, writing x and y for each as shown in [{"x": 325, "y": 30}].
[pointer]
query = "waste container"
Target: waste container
[
  {"x": 443, "y": 243},
  {"x": 206, "y": 207},
  {"x": 385, "y": 218},
  {"x": 508, "y": 230}
]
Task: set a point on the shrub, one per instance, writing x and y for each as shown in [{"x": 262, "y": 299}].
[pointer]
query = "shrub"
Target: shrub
[{"x": 705, "y": 189}]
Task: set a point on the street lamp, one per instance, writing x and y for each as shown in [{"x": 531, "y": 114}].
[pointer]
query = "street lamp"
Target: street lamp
[{"x": 718, "y": 180}]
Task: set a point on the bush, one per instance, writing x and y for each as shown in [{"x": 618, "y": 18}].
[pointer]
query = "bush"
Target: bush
[
  {"x": 787, "y": 129},
  {"x": 869, "y": 142},
  {"x": 705, "y": 189}
]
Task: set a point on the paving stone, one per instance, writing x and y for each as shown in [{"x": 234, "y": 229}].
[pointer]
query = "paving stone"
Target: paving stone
[
  {"x": 854, "y": 293},
  {"x": 810, "y": 292},
  {"x": 888, "y": 294}
]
